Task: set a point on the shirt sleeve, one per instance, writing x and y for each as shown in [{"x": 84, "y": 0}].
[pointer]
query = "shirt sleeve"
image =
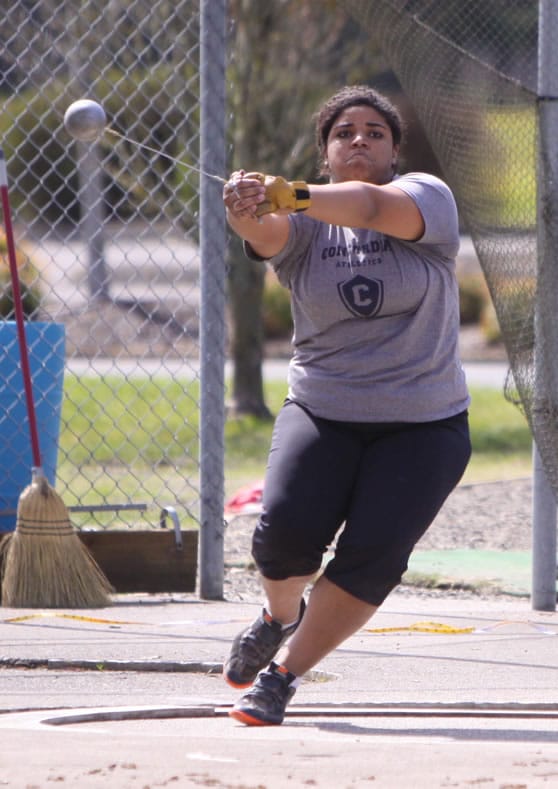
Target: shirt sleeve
[
  {"x": 301, "y": 233},
  {"x": 438, "y": 208}
]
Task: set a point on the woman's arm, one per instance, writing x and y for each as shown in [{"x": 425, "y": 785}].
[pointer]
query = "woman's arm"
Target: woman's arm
[
  {"x": 267, "y": 234},
  {"x": 385, "y": 208}
]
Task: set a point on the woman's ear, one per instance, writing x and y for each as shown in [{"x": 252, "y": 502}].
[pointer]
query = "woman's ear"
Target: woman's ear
[{"x": 324, "y": 168}]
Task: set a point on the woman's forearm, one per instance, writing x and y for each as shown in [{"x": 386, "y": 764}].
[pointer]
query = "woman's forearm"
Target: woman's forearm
[
  {"x": 359, "y": 204},
  {"x": 267, "y": 235}
]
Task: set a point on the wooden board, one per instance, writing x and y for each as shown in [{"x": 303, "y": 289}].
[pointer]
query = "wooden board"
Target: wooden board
[{"x": 145, "y": 561}]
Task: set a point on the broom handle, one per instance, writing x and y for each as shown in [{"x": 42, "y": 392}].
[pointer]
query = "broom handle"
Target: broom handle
[{"x": 18, "y": 308}]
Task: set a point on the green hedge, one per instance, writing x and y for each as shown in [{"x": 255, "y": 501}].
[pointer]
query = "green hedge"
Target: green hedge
[
  {"x": 41, "y": 155},
  {"x": 28, "y": 279}
]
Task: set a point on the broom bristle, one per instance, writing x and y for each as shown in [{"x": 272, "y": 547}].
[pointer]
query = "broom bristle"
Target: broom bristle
[{"x": 45, "y": 564}]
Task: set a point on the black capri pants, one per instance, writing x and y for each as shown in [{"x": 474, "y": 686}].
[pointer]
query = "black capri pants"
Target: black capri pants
[{"x": 385, "y": 482}]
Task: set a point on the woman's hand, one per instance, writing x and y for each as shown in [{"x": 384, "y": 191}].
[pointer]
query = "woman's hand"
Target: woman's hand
[
  {"x": 283, "y": 197},
  {"x": 243, "y": 193},
  {"x": 254, "y": 194},
  {"x": 265, "y": 230}
]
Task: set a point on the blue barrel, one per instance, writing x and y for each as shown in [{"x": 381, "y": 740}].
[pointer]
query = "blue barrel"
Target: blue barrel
[{"x": 46, "y": 350}]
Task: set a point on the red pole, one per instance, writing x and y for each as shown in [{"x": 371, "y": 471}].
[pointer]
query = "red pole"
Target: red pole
[{"x": 20, "y": 320}]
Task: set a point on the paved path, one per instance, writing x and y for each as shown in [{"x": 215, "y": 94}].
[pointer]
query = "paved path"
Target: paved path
[{"x": 443, "y": 692}]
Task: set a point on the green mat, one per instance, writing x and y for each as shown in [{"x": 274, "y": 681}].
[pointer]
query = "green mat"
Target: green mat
[{"x": 508, "y": 571}]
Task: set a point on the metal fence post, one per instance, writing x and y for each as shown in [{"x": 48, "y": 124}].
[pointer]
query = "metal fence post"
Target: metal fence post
[
  {"x": 212, "y": 307},
  {"x": 543, "y": 595},
  {"x": 543, "y": 589},
  {"x": 91, "y": 202}
]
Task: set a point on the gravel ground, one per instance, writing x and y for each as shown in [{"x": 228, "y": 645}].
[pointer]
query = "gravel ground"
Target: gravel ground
[{"x": 487, "y": 516}]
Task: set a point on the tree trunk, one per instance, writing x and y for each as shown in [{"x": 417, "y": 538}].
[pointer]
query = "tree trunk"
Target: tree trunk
[
  {"x": 271, "y": 131},
  {"x": 246, "y": 284}
]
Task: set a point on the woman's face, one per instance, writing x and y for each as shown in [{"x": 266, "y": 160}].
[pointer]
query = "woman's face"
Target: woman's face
[{"x": 360, "y": 147}]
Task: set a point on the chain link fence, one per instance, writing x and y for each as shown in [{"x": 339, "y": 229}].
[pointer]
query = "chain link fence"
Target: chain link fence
[
  {"x": 108, "y": 239},
  {"x": 109, "y": 234}
]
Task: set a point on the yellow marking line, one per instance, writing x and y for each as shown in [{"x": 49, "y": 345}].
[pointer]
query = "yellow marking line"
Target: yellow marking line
[
  {"x": 422, "y": 627},
  {"x": 77, "y": 617},
  {"x": 437, "y": 627},
  {"x": 417, "y": 627},
  {"x": 81, "y": 618}
]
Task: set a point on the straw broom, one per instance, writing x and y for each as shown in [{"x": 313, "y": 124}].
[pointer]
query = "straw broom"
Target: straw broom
[{"x": 45, "y": 564}]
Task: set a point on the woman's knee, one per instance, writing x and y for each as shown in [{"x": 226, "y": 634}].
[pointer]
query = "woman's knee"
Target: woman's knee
[
  {"x": 282, "y": 550},
  {"x": 367, "y": 575}
]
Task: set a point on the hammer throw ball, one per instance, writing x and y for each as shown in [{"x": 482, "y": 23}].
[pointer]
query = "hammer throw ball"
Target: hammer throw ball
[{"x": 85, "y": 120}]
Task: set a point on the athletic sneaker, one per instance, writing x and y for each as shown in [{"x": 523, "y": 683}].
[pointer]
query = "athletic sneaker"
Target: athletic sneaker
[
  {"x": 266, "y": 701},
  {"x": 254, "y": 647}
]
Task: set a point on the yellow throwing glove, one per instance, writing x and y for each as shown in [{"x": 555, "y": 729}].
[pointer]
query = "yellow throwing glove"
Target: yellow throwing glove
[{"x": 281, "y": 195}]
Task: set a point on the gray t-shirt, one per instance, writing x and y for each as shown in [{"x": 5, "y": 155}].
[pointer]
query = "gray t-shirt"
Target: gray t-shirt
[{"x": 376, "y": 319}]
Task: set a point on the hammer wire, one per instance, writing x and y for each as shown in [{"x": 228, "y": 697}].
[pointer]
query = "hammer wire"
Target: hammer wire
[{"x": 109, "y": 130}]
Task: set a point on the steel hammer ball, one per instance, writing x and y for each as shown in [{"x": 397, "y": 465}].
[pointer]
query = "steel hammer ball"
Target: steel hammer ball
[{"x": 85, "y": 120}]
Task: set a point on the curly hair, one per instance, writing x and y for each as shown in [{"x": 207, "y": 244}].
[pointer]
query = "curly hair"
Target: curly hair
[{"x": 352, "y": 96}]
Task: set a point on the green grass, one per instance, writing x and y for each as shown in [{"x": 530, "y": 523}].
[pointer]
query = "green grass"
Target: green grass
[
  {"x": 508, "y": 160},
  {"x": 114, "y": 420},
  {"x": 500, "y": 436},
  {"x": 135, "y": 440}
]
